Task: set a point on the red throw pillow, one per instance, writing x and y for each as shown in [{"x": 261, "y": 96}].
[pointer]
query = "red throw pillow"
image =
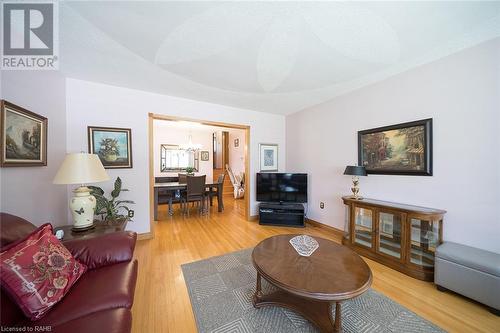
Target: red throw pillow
[{"x": 38, "y": 271}]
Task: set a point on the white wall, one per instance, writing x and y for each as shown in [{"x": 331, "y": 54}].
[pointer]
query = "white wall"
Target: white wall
[
  {"x": 237, "y": 154},
  {"x": 165, "y": 134},
  {"x": 103, "y": 105},
  {"x": 28, "y": 191},
  {"x": 462, "y": 94}
]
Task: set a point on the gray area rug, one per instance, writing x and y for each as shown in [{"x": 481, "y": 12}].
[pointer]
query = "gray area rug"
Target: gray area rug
[{"x": 221, "y": 290}]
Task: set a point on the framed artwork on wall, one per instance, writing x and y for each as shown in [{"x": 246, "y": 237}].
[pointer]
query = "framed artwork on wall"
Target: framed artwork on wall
[
  {"x": 112, "y": 145},
  {"x": 24, "y": 137},
  {"x": 205, "y": 155},
  {"x": 401, "y": 149},
  {"x": 268, "y": 157}
]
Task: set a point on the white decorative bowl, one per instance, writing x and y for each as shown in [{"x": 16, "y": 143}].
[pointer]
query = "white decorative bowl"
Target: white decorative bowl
[{"x": 304, "y": 245}]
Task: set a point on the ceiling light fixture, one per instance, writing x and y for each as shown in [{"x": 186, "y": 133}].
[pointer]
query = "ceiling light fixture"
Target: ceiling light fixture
[{"x": 190, "y": 146}]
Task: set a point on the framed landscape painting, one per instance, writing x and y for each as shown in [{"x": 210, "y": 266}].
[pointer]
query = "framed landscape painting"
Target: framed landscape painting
[
  {"x": 112, "y": 145},
  {"x": 268, "y": 157},
  {"x": 24, "y": 137},
  {"x": 402, "y": 149}
]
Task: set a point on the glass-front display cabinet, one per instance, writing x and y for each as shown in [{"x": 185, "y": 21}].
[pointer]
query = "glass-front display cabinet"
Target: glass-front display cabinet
[
  {"x": 401, "y": 236},
  {"x": 390, "y": 234},
  {"x": 363, "y": 226},
  {"x": 425, "y": 236}
]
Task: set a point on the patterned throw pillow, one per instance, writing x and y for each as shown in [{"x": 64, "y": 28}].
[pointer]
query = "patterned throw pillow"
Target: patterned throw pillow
[{"x": 38, "y": 271}]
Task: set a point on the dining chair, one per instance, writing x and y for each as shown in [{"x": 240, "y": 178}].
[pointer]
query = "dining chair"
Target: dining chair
[
  {"x": 182, "y": 178},
  {"x": 195, "y": 192},
  {"x": 211, "y": 193}
]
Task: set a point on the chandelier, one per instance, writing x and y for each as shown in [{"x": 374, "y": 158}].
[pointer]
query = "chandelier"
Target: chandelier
[{"x": 190, "y": 146}]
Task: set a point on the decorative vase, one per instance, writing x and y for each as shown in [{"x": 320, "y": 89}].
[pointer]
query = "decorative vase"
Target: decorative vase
[
  {"x": 82, "y": 208},
  {"x": 111, "y": 157}
]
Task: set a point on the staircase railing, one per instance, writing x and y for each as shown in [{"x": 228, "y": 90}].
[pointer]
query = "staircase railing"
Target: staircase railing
[{"x": 238, "y": 183}]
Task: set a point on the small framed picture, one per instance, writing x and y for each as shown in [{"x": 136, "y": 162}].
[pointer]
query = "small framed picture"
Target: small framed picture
[
  {"x": 24, "y": 137},
  {"x": 236, "y": 143},
  {"x": 268, "y": 157},
  {"x": 204, "y": 155},
  {"x": 112, "y": 145}
]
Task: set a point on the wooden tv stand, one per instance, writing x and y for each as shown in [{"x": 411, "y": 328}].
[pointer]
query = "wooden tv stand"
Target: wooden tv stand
[{"x": 403, "y": 237}]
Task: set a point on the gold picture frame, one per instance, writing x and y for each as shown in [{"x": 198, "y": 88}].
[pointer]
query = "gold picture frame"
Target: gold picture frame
[{"x": 24, "y": 137}]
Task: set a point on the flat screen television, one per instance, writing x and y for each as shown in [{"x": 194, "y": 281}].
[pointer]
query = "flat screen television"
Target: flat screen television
[{"x": 282, "y": 187}]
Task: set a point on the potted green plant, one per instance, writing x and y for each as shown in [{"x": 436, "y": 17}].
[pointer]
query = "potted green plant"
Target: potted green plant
[
  {"x": 110, "y": 209},
  {"x": 190, "y": 171},
  {"x": 109, "y": 149}
]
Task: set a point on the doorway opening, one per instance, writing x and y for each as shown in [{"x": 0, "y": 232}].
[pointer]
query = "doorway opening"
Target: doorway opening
[
  {"x": 215, "y": 148},
  {"x": 229, "y": 160}
]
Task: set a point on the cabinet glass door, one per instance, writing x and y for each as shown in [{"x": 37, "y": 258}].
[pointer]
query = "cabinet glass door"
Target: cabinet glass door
[
  {"x": 363, "y": 226},
  {"x": 389, "y": 234},
  {"x": 424, "y": 240}
]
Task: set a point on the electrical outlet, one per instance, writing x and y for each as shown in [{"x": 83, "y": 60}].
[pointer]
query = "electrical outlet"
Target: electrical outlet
[
  {"x": 321, "y": 205},
  {"x": 131, "y": 213}
]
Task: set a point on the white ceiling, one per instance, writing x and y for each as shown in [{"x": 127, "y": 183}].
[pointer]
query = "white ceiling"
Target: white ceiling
[{"x": 278, "y": 57}]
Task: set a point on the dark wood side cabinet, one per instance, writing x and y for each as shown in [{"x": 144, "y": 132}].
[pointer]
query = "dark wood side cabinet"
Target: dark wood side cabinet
[{"x": 403, "y": 237}]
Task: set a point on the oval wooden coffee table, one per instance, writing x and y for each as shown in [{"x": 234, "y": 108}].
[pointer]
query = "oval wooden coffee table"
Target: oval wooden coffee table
[{"x": 310, "y": 285}]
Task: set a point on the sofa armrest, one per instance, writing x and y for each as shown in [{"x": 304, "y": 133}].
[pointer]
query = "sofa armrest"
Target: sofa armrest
[{"x": 103, "y": 250}]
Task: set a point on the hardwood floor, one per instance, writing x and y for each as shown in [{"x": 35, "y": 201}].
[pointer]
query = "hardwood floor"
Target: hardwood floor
[{"x": 162, "y": 303}]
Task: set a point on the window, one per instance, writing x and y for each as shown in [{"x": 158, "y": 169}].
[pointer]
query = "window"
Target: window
[{"x": 173, "y": 159}]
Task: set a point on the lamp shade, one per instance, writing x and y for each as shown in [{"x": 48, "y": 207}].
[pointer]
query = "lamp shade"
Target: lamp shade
[
  {"x": 81, "y": 168},
  {"x": 354, "y": 170}
]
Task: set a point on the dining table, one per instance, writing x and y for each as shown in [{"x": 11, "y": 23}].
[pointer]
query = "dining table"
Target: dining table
[{"x": 174, "y": 187}]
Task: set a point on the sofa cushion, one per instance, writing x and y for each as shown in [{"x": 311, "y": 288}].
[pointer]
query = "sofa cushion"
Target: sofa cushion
[
  {"x": 13, "y": 228},
  {"x": 38, "y": 271},
  {"x": 108, "y": 321},
  {"x": 100, "y": 289},
  {"x": 481, "y": 260}
]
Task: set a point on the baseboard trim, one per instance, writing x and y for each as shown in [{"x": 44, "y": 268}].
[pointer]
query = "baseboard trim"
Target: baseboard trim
[
  {"x": 145, "y": 236},
  {"x": 254, "y": 218},
  {"x": 317, "y": 224}
]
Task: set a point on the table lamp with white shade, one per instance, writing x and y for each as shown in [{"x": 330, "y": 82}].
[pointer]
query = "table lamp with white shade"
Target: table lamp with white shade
[{"x": 81, "y": 168}]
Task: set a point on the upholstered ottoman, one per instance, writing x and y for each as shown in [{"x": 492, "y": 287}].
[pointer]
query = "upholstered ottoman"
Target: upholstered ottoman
[{"x": 469, "y": 271}]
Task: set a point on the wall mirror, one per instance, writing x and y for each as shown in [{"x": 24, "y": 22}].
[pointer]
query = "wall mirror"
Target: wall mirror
[{"x": 174, "y": 159}]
